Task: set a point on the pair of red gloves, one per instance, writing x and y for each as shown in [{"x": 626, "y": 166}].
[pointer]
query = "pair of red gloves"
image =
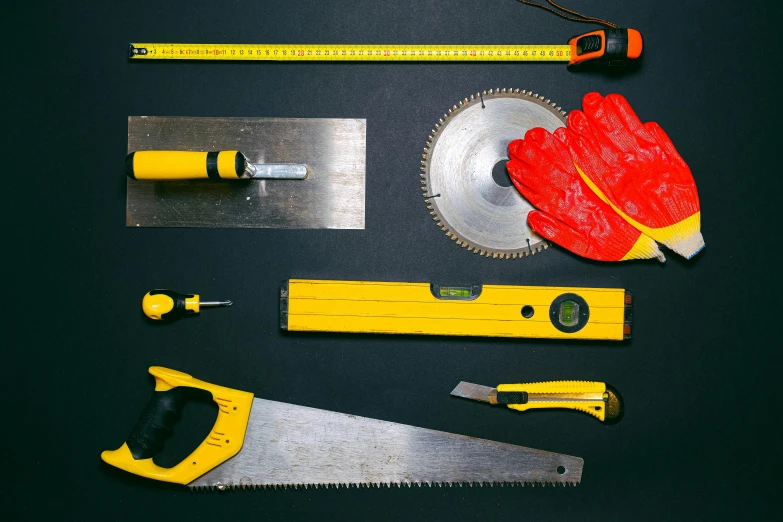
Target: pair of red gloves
[{"x": 608, "y": 187}]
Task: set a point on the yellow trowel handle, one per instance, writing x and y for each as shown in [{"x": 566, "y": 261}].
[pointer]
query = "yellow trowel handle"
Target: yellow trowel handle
[
  {"x": 165, "y": 165},
  {"x": 156, "y": 424},
  {"x": 595, "y": 398}
]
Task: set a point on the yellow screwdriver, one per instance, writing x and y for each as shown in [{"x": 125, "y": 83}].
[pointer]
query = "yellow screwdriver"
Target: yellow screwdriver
[{"x": 163, "y": 305}]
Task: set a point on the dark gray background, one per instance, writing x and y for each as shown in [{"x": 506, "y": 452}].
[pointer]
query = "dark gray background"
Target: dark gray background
[{"x": 699, "y": 378}]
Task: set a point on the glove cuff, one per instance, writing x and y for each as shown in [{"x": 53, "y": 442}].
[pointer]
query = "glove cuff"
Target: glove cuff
[{"x": 689, "y": 246}]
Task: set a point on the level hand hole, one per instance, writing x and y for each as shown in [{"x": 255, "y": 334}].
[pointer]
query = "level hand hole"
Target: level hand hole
[{"x": 527, "y": 311}]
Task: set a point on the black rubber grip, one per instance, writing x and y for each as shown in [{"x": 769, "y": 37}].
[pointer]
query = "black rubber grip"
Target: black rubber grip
[
  {"x": 615, "y": 55},
  {"x": 156, "y": 423},
  {"x": 512, "y": 397},
  {"x": 239, "y": 164},
  {"x": 129, "y": 166},
  {"x": 212, "y": 165},
  {"x": 179, "y": 309}
]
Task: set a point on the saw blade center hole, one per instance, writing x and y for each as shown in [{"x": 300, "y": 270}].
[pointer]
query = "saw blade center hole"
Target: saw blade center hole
[{"x": 500, "y": 174}]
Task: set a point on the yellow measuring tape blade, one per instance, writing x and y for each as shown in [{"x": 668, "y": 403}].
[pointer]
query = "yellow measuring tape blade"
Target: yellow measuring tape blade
[
  {"x": 351, "y": 53},
  {"x": 492, "y": 311}
]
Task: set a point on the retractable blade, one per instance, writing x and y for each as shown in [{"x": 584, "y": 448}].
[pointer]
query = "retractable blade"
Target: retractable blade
[{"x": 595, "y": 398}]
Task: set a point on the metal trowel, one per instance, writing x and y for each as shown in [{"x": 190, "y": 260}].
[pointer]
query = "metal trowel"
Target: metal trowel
[{"x": 290, "y": 173}]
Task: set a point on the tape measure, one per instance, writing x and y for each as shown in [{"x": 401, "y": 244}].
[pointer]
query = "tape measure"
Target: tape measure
[
  {"x": 353, "y": 53},
  {"x": 605, "y": 48},
  {"x": 308, "y": 305}
]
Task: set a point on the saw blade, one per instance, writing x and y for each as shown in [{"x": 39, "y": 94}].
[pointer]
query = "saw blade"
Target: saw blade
[
  {"x": 295, "y": 446},
  {"x": 474, "y": 202}
]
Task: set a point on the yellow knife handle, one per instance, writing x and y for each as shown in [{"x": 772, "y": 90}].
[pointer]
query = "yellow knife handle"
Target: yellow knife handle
[
  {"x": 167, "y": 165},
  {"x": 595, "y": 398},
  {"x": 157, "y": 421}
]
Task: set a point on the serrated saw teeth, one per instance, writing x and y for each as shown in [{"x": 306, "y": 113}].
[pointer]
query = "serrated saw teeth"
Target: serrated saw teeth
[
  {"x": 381, "y": 485},
  {"x": 518, "y": 242}
]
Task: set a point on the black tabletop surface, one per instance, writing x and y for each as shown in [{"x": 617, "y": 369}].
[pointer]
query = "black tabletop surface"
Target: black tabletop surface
[{"x": 698, "y": 440}]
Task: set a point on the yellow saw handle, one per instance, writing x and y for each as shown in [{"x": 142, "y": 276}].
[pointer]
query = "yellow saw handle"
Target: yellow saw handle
[
  {"x": 166, "y": 165},
  {"x": 157, "y": 421},
  {"x": 595, "y": 398}
]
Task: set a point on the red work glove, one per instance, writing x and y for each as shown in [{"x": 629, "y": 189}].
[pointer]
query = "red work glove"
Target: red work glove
[
  {"x": 636, "y": 169},
  {"x": 570, "y": 214}
]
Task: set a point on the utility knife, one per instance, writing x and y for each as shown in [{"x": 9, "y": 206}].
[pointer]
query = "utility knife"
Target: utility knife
[{"x": 596, "y": 398}]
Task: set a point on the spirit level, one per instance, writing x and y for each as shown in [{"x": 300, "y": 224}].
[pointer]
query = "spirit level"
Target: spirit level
[{"x": 475, "y": 310}]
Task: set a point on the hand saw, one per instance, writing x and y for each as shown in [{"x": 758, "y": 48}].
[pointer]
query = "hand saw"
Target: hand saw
[
  {"x": 478, "y": 310},
  {"x": 594, "y": 398},
  {"x": 259, "y": 443}
]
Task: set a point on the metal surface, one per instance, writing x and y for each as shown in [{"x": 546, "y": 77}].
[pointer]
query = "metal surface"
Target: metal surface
[
  {"x": 276, "y": 171},
  {"x": 291, "y": 446},
  {"x": 468, "y": 390},
  {"x": 215, "y": 303},
  {"x": 331, "y": 196},
  {"x": 479, "y": 213}
]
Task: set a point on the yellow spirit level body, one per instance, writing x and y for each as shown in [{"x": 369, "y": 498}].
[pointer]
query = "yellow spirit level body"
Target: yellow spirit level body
[{"x": 476, "y": 310}]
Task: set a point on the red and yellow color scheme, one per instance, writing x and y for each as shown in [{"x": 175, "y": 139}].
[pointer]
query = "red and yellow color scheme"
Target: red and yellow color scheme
[
  {"x": 224, "y": 441},
  {"x": 569, "y": 213},
  {"x": 636, "y": 170}
]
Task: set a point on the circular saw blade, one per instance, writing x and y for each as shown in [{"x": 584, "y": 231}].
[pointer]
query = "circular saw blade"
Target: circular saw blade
[{"x": 480, "y": 214}]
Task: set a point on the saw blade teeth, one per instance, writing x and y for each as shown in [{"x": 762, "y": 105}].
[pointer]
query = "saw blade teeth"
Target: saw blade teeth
[
  {"x": 222, "y": 488},
  {"x": 427, "y": 158}
]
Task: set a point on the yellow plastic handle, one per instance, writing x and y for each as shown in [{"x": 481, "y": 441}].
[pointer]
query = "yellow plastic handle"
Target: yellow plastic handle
[
  {"x": 167, "y": 165},
  {"x": 163, "y": 305},
  {"x": 589, "y": 397},
  {"x": 223, "y": 442}
]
